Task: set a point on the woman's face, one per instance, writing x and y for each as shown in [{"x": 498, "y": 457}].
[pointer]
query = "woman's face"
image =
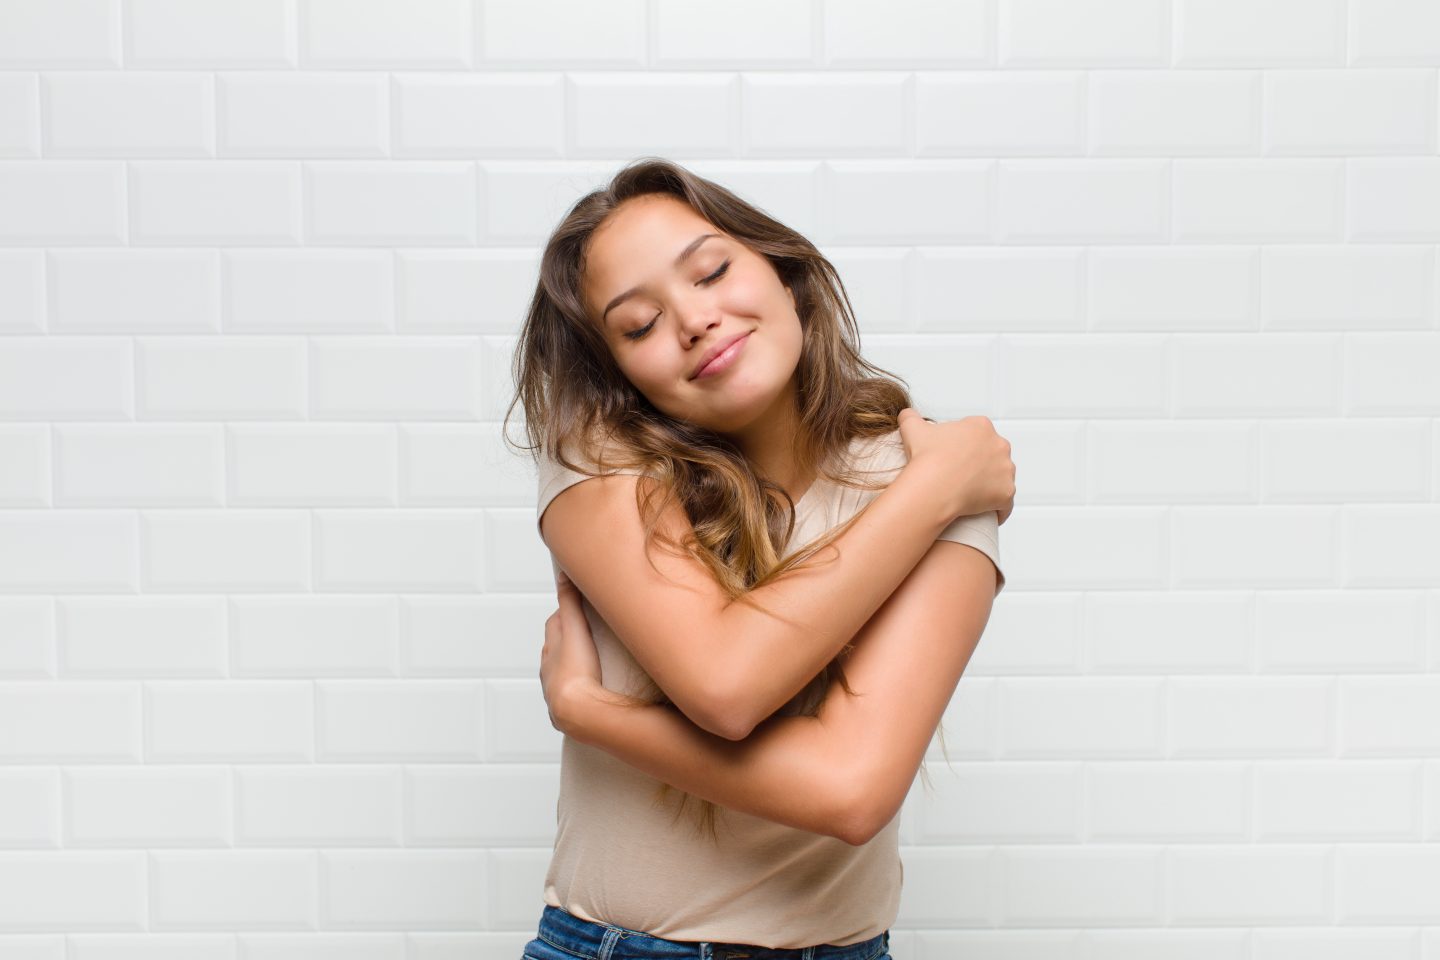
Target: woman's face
[{"x": 675, "y": 314}]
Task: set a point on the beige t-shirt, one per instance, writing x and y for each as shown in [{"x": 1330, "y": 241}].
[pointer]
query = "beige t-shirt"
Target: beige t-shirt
[{"x": 620, "y": 858}]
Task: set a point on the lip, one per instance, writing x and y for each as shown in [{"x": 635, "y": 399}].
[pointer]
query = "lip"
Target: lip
[{"x": 715, "y": 351}]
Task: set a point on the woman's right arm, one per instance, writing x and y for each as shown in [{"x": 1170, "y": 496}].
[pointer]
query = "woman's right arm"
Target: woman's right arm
[{"x": 724, "y": 664}]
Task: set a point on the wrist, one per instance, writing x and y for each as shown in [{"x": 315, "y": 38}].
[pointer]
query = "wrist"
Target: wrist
[
  {"x": 574, "y": 703},
  {"x": 934, "y": 491}
]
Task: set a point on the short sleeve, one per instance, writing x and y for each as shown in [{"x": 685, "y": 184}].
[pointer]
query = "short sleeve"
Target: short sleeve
[
  {"x": 981, "y": 531},
  {"x": 553, "y": 477}
]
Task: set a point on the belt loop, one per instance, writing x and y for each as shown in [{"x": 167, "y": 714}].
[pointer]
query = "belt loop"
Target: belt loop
[
  {"x": 705, "y": 952},
  {"x": 607, "y": 943},
  {"x": 808, "y": 953}
]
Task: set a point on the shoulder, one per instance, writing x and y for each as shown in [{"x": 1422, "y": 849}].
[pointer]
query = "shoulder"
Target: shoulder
[
  {"x": 867, "y": 465},
  {"x": 885, "y": 455},
  {"x": 594, "y": 458},
  {"x": 883, "y": 452}
]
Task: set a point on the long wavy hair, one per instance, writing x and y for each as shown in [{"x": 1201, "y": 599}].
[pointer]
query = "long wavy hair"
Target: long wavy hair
[{"x": 576, "y": 398}]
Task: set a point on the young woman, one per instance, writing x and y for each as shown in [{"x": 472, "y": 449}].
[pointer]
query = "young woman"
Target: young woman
[{"x": 786, "y": 659}]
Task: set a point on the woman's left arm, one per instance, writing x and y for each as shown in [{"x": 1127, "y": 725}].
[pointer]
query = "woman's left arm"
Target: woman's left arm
[{"x": 845, "y": 771}]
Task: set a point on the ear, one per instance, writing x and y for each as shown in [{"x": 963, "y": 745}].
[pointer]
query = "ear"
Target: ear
[{"x": 791, "y": 291}]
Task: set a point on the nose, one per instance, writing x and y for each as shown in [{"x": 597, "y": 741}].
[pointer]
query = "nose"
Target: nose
[{"x": 696, "y": 316}]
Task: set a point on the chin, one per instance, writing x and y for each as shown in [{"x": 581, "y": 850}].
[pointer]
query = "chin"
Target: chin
[{"x": 745, "y": 413}]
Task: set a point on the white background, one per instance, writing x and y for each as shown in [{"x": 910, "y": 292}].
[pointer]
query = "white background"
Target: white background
[{"x": 271, "y": 596}]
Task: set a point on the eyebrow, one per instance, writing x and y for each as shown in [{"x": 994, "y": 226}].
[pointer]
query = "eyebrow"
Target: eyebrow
[{"x": 690, "y": 248}]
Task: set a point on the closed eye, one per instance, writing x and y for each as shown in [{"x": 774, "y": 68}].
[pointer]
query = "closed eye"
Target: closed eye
[{"x": 719, "y": 272}]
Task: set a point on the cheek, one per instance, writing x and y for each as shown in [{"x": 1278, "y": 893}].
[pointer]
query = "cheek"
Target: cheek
[
  {"x": 787, "y": 329},
  {"x": 753, "y": 295},
  {"x": 649, "y": 370}
]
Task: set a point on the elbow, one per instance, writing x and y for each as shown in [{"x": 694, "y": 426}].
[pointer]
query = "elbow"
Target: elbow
[
  {"x": 729, "y": 723},
  {"x": 734, "y": 732},
  {"x": 721, "y": 726},
  {"x": 859, "y": 823},
  {"x": 726, "y": 715},
  {"x": 866, "y": 809},
  {"x": 719, "y": 720}
]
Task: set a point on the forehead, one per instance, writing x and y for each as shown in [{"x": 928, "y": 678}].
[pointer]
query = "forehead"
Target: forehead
[{"x": 639, "y": 240}]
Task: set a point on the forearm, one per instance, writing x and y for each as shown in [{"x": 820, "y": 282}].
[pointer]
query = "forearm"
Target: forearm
[
  {"x": 787, "y": 771},
  {"x": 766, "y": 660},
  {"x": 904, "y": 670}
]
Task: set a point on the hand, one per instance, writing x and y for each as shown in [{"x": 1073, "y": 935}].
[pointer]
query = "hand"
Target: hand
[
  {"x": 568, "y": 661},
  {"x": 970, "y": 458}
]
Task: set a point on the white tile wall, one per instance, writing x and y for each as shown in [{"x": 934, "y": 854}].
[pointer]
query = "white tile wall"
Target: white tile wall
[{"x": 267, "y": 657}]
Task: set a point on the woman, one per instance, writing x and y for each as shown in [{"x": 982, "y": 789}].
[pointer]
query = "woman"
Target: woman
[{"x": 698, "y": 360}]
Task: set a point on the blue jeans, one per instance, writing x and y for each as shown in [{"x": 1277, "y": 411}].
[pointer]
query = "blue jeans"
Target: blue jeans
[{"x": 564, "y": 936}]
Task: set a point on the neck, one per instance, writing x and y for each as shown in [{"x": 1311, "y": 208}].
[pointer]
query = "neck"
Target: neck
[{"x": 770, "y": 443}]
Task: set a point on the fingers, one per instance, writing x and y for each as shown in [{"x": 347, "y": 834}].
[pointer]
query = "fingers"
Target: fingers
[
  {"x": 1005, "y": 511},
  {"x": 565, "y": 588},
  {"x": 571, "y": 614}
]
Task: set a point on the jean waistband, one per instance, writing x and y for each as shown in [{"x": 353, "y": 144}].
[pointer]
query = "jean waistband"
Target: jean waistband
[{"x": 604, "y": 941}]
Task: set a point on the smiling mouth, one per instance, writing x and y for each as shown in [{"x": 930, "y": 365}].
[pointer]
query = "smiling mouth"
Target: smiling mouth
[{"x": 723, "y": 360}]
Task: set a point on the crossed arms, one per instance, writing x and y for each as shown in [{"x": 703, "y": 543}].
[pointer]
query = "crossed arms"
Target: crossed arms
[{"x": 915, "y": 608}]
